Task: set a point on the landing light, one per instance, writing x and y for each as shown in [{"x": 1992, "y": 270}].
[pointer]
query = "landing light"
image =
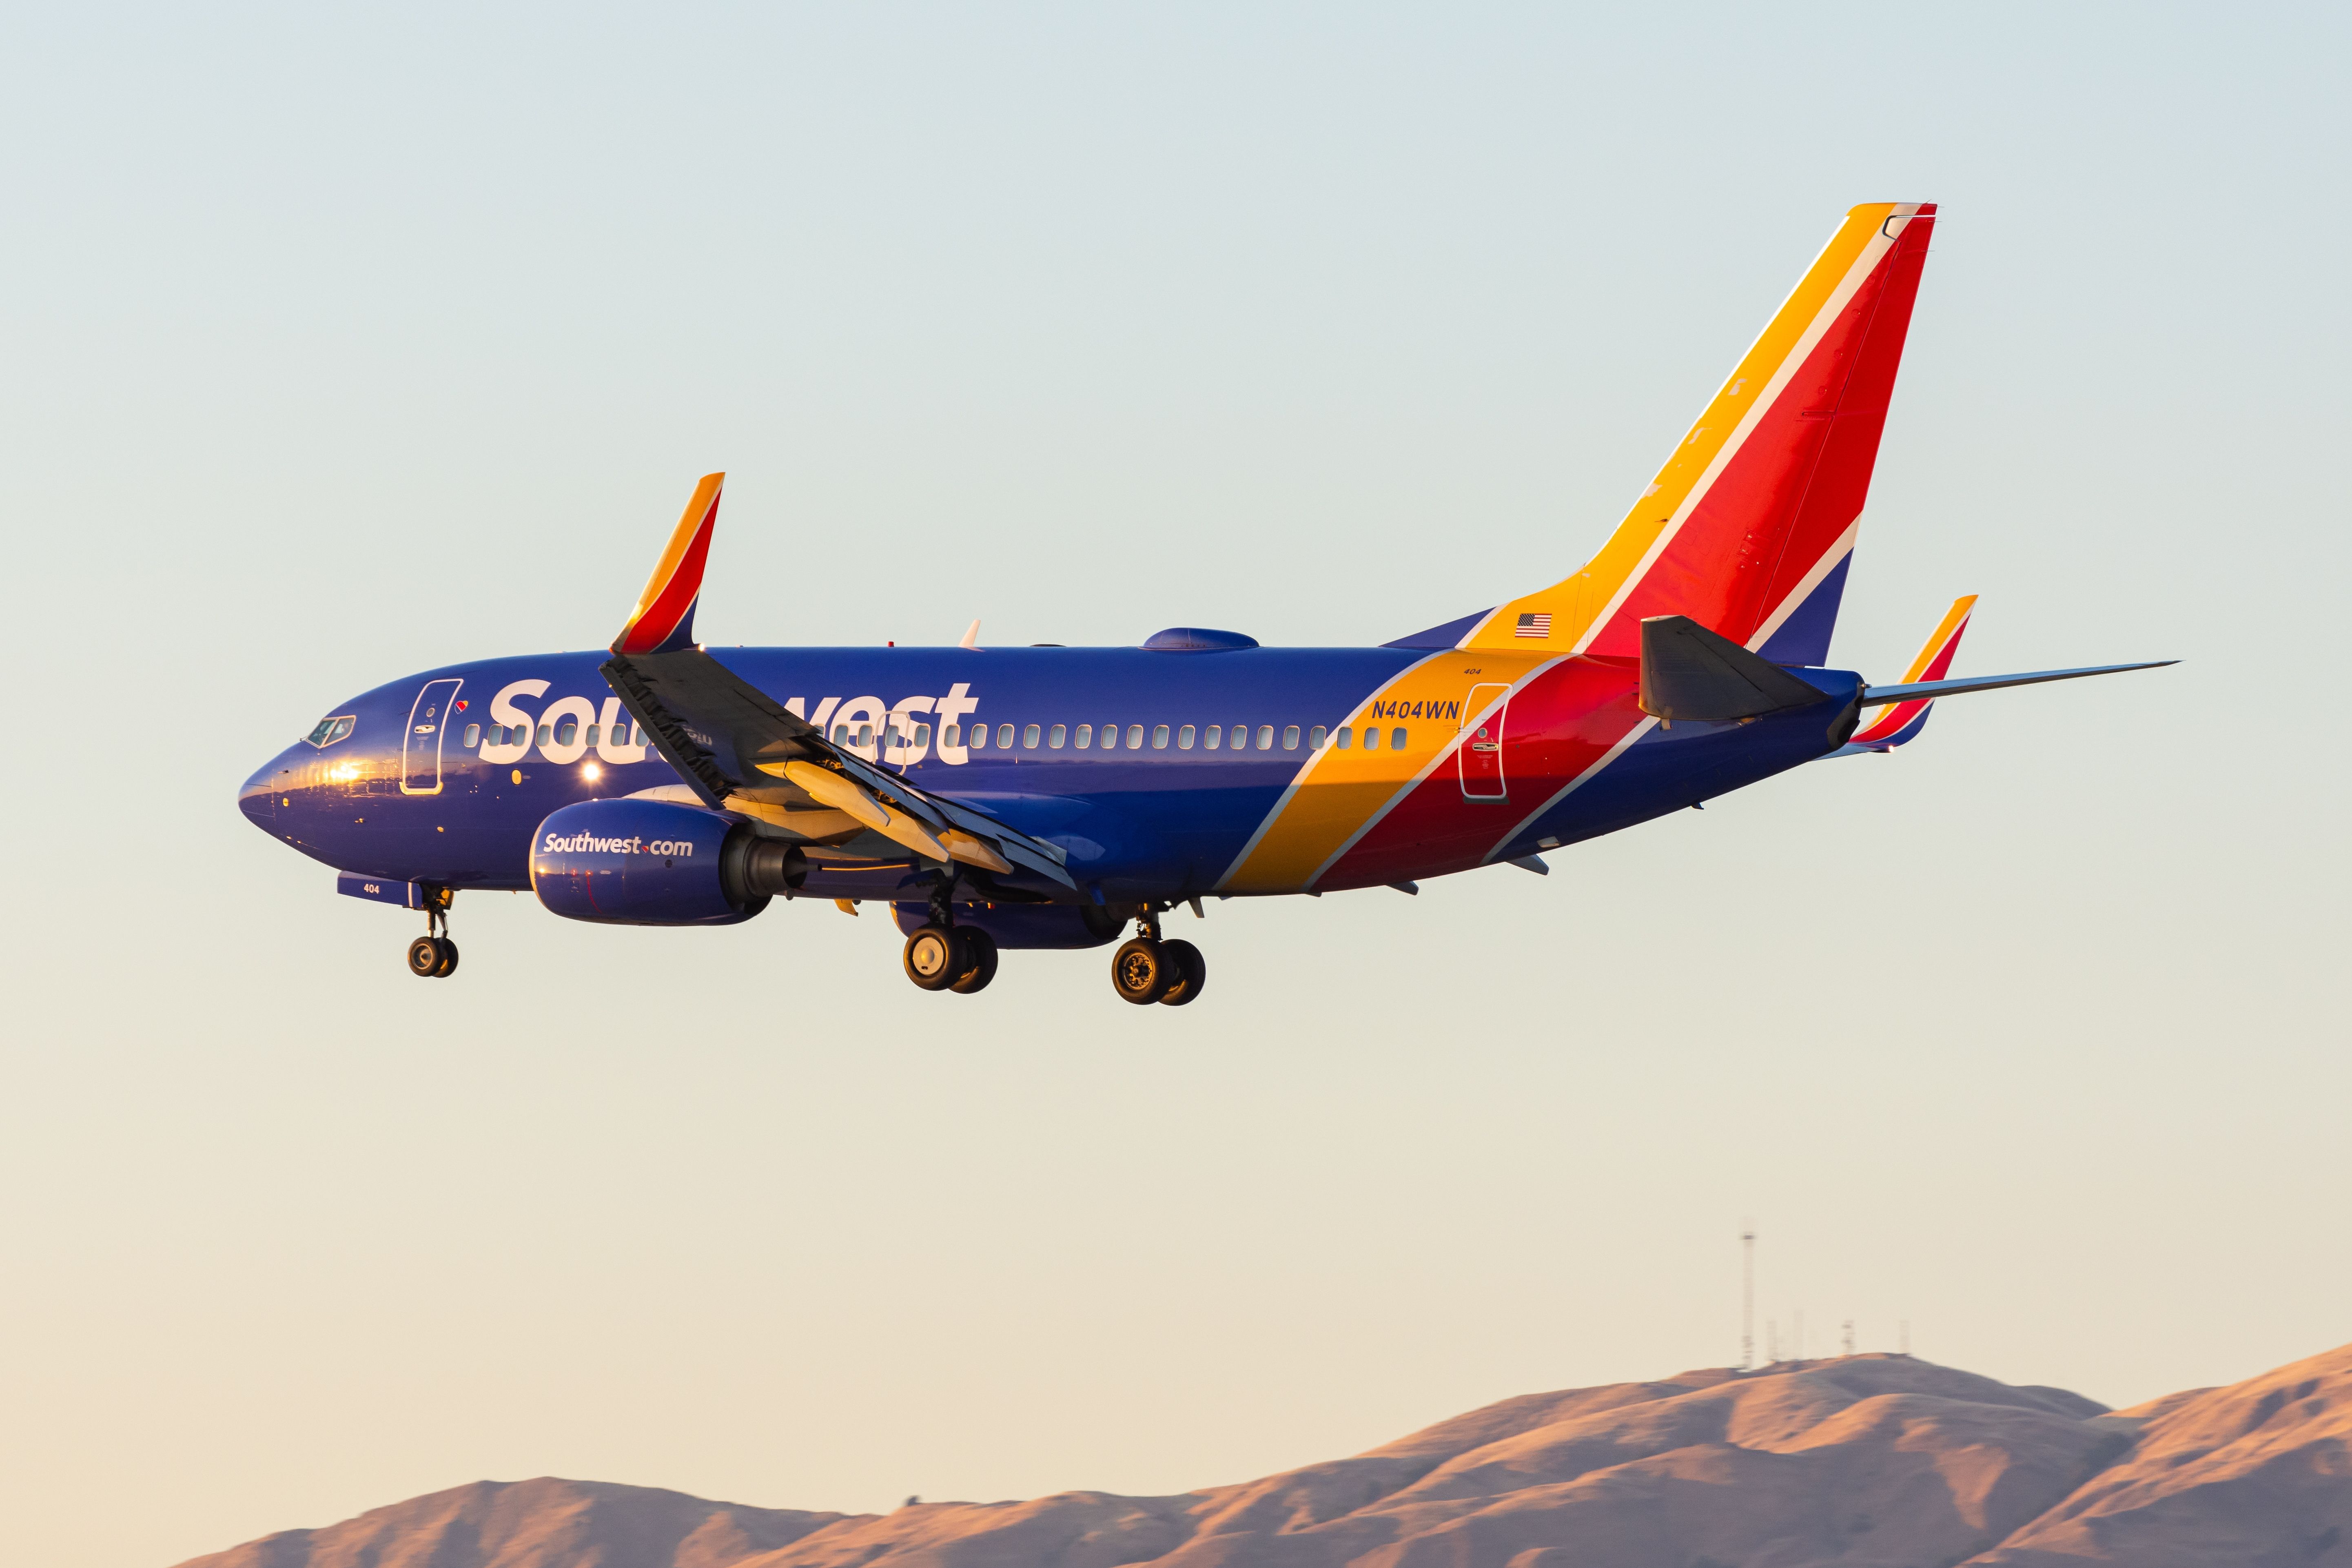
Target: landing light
[{"x": 591, "y": 772}]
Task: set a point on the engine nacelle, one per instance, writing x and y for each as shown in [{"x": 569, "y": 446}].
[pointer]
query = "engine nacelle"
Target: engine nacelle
[{"x": 652, "y": 863}]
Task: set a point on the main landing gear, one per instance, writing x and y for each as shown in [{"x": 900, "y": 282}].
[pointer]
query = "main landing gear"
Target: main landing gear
[
  {"x": 1146, "y": 970},
  {"x": 961, "y": 958},
  {"x": 945, "y": 956},
  {"x": 434, "y": 957}
]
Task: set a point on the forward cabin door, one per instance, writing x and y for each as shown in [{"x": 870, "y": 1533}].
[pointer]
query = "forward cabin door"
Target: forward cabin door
[
  {"x": 420, "y": 749},
  {"x": 1481, "y": 748}
]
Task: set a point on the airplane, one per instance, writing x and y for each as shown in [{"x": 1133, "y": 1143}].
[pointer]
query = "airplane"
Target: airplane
[{"x": 1007, "y": 798}]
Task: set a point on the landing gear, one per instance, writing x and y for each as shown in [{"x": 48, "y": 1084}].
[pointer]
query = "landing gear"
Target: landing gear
[
  {"x": 434, "y": 957},
  {"x": 944, "y": 956},
  {"x": 1146, "y": 970},
  {"x": 1191, "y": 972},
  {"x": 1139, "y": 972},
  {"x": 981, "y": 949},
  {"x": 936, "y": 957},
  {"x": 961, "y": 958}
]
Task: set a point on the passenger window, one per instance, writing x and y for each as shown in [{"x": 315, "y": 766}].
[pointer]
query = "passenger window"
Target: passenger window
[
  {"x": 1029, "y": 739},
  {"x": 1371, "y": 737},
  {"x": 1344, "y": 739},
  {"x": 1290, "y": 737},
  {"x": 922, "y": 734},
  {"x": 1266, "y": 737},
  {"x": 567, "y": 732},
  {"x": 1184, "y": 739},
  {"x": 1110, "y": 737},
  {"x": 1396, "y": 740},
  {"x": 1086, "y": 736},
  {"x": 865, "y": 734},
  {"x": 1160, "y": 737},
  {"x": 1215, "y": 738},
  {"x": 1135, "y": 737},
  {"x": 1004, "y": 737},
  {"x": 1315, "y": 739},
  {"x": 841, "y": 734},
  {"x": 1054, "y": 739},
  {"x": 473, "y": 736},
  {"x": 593, "y": 730}
]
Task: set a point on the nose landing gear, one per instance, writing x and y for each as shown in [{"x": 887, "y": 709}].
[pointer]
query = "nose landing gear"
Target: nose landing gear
[
  {"x": 434, "y": 957},
  {"x": 1146, "y": 970}
]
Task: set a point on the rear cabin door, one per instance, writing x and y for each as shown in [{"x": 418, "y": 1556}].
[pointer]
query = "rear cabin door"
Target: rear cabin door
[
  {"x": 1481, "y": 751},
  {"x": 420, "y": 749}
]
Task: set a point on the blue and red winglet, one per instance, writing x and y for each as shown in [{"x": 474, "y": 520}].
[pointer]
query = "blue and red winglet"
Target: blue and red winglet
[
  {"x": 1900, "y": 722},
  {"x": 663, "y": 621}
]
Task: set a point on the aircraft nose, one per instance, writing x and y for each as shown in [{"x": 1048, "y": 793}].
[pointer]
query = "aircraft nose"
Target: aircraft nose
[{"x": 259, "y": 796}]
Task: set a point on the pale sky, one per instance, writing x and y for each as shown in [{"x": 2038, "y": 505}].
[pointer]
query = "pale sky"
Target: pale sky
[{"x": 339, "y": 345}]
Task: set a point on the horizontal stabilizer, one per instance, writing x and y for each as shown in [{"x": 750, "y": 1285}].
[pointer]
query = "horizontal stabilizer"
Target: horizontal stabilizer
[
  {"x": 1934, "y": 688},
  {"x": 1689, "y": 672}
]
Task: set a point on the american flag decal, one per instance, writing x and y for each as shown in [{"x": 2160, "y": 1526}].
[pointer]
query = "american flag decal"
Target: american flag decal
[{"x": 1533, "y": 623}]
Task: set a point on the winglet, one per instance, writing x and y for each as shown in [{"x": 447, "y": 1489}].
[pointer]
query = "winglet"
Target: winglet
[
  {"x": 1900, "y": 722},
  {"x": 663, "y": 621}
]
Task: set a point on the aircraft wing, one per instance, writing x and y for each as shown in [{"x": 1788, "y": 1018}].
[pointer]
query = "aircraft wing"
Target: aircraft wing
[
  {"x": 737, "y": 747},
  {"x": 739, "y": 750}
]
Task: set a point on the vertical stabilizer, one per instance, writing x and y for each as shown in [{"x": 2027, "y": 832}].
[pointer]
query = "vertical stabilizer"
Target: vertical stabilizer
[{"x": 1749, "y": 525}]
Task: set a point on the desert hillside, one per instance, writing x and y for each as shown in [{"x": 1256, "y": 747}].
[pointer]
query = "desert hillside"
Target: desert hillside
[{"x": 1867, "y": 1461}]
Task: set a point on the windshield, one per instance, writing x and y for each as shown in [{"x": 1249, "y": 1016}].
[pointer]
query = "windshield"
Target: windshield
[{"x": 330, "y": 731}]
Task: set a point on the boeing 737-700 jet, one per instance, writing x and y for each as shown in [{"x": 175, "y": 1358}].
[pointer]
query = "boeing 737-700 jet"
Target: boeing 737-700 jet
[{"x": 1048, "y": 797}]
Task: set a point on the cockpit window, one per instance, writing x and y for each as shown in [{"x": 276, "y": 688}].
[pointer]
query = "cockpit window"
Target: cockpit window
[{"x": 330, "y": 731}]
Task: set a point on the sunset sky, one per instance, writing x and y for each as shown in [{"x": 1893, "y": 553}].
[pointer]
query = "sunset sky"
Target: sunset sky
[{"x": 340, "y": 344}]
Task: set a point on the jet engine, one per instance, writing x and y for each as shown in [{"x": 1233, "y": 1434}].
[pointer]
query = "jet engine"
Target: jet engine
[{"x": 653, "y": 863}]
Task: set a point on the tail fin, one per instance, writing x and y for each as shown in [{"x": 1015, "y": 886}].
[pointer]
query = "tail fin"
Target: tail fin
[
  {"x": 1900, "y": 722},
  {"x": 1749, "y": 527},
  {"x": 663, "y": 621}
]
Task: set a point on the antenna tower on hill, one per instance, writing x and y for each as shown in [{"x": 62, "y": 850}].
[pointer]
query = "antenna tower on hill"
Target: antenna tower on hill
[{"x": 1747, "y": 1295}]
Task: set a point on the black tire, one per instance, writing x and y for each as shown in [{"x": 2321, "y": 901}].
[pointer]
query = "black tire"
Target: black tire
[
  {"x": 979, "y": 954},
  {"x": 448, "y": 958},
  {"x": 424, "y": 957},
  {"x": 1191, "y": 972},
  {"x": 1140, "y": 972},
  {"x": 935, "y": 957}
]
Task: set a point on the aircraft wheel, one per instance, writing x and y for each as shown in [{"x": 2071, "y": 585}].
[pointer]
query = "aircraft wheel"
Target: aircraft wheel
[
  {"x": 935, "y": 957},
  {"x": 448, "y": 958},
  {"x": 1140, "y": 972},
  {"x": 980, "y": 952},
  {"x": 424, "y": 957},
  {"x": 1191, "y": 972}
]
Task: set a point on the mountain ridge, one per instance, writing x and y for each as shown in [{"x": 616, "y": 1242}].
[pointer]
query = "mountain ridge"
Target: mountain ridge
[{"x": 1867, "y": 1462}]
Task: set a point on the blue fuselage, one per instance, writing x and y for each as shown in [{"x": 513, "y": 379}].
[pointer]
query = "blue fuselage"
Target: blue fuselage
[{"x": 443, "y": 777}]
